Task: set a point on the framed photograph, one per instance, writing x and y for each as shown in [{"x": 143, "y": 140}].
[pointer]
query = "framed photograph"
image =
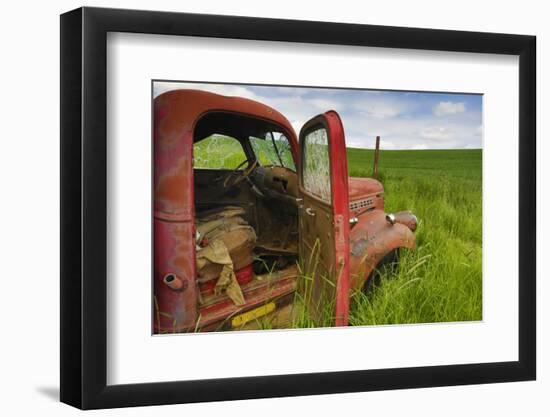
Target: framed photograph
[{"x": 256, "y": 208}]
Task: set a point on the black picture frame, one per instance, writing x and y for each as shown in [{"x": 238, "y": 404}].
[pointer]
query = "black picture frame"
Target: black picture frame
[{"x": 84, "y": 207}]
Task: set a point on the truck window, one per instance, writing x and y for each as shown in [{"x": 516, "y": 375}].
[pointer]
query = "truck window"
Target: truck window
[
  {"x": 316, "y": 164},
  {"x": 273, "y": 150},
  {"x": 218, "y": 152}
]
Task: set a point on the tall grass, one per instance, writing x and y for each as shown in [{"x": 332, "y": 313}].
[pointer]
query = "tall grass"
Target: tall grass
[{"x": 441, "y": 280}]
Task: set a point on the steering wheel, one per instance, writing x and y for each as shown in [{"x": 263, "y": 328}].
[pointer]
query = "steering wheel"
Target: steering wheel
[{"x": 235, "y": 177}]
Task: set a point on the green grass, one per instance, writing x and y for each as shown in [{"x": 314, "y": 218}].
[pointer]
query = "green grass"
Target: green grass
[
  {"x": 441, "y": 281},
  {"x": 218, "y": 151}
]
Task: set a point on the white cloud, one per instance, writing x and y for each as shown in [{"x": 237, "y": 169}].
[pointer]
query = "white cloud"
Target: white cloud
[
  {"x": 472, "y": 146},
  {"x": 409, "y": 133},
  {"x": 420, "y": 146},
  {"x": 381, "y": 107},
  {"x": 479, "y": 130},
  {"x": 368, "y": 142},
  {"x": 448, "y": 107},
  {"x": 401, "y": 122},
  {"x": 436, "y": 133},
  {"x": 297, "y": 125},
  {"x": 323, "y": 104},
  {"x": 381, "y": 111},
  {"x": 386, "y": 144}
]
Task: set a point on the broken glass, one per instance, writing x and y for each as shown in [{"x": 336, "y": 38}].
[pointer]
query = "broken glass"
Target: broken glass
[
  {"x": 273, "y": 150},
  {"x": 218, "y": 152},
  {"x": 316, "y": 169}
]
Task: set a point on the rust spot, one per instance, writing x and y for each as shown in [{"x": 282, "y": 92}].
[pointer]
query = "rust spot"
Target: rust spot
[{"x": 359, "y": 247}]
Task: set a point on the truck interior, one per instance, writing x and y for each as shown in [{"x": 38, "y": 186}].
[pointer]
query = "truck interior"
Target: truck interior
[{"x": 245, "y": 177}]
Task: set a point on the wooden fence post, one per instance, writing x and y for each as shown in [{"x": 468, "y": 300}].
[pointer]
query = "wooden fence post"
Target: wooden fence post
[{"x": 376, "y": 156}]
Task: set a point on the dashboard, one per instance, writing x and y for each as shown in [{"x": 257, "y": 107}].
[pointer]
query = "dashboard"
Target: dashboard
[{"x": 276, "y": 182}]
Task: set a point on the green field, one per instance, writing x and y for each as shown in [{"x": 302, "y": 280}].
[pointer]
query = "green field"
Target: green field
[{"x": 441, "y": 281}]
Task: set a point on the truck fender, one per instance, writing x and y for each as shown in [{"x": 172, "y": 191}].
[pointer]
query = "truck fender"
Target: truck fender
[{"x": 372, "y": 239}]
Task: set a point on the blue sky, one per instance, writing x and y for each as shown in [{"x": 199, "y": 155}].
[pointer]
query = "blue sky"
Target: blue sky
[{"x": 403, "y": 120}]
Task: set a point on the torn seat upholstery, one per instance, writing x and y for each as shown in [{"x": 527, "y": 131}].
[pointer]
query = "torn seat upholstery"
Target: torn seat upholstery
[{"x": 225, "y": 244}]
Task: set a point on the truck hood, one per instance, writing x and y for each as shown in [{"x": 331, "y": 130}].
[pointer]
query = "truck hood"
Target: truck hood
[{"x": 362, "y": 187}]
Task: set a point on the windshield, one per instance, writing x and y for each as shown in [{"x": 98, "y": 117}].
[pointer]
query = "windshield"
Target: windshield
[
  {"x": 218, "y": 152},
  {"x": 273, "y": 150}
]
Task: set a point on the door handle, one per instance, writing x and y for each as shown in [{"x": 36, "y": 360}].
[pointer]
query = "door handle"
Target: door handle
[{"x": 310, "y": 211}]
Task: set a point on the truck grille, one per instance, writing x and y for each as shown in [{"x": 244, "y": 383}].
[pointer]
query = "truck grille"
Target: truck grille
[{"x": 362, "y": 204}]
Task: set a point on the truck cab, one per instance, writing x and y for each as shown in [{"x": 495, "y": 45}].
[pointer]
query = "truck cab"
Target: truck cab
[{"x": 244, "y": 207}]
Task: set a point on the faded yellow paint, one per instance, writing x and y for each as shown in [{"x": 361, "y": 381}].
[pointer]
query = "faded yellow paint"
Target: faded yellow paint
[{"x": 244, "y": 318}]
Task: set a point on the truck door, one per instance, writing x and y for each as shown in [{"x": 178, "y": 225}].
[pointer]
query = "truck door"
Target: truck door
[{"x": 324, "y": 217}]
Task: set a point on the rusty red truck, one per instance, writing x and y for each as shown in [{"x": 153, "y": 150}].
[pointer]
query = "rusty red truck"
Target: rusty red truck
[{"x": 228, "y": 240}]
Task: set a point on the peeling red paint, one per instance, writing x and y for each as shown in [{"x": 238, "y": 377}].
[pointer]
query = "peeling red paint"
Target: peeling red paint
[
  {"x": 357, "y": 251},
  {"x": 373, "y": 238}
]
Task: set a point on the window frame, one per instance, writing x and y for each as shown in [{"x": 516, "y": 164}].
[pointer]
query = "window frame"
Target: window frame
[{"x": 245, "y": 142}]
